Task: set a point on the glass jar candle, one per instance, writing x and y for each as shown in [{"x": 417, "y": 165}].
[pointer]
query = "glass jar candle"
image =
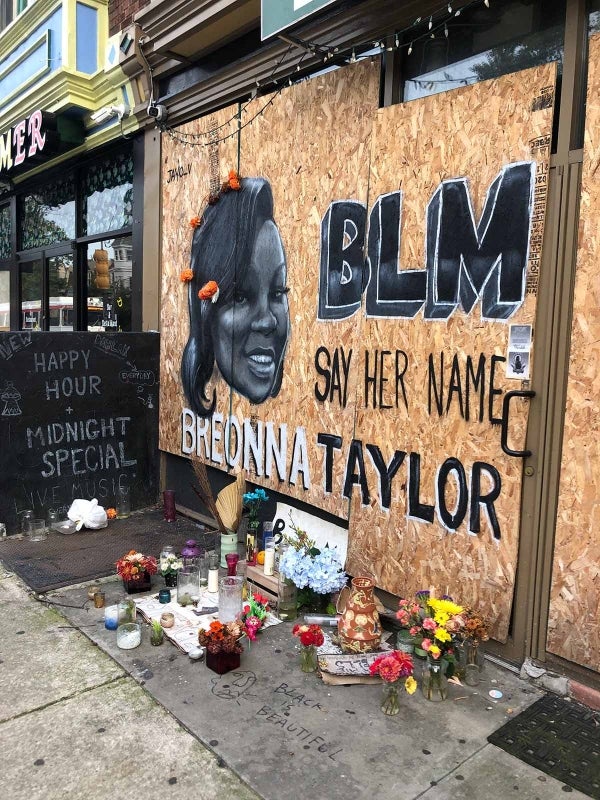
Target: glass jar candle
[
  {"x": 213, "y": 572},
  {"x": 129, "y": 635},
  {"x": 269, "y": 563}
]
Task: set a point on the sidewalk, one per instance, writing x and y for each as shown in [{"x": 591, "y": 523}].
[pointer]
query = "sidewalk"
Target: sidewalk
[{"x": 152, "y": 723}]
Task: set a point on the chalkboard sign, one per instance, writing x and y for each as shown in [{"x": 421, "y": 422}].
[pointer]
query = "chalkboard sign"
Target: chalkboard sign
[{"x": 78, "y": 418}]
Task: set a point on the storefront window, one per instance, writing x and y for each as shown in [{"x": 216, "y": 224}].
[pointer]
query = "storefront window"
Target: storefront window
[
  {"x": 485, "y": 43},
  {"x": 109, "y": 284},
  {"x": 31, "y": 282},
  {"x": 4, "y": 300},
  {"x": 108, "y": 195},
  {"x": 48, "y": 215},
  {"x": 5, "y": 231},
  {"x": 60, "y": 287}
]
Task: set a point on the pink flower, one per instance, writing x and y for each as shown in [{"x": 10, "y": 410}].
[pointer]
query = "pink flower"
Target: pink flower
[
  {"x": 426, "y": 644},
  {"x": 414, "y": 630},
  {"x": 403, "y": 617},
  {"x": 429, "y": 624}
]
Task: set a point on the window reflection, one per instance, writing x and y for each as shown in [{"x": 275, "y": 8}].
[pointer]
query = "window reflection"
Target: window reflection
[
  {"x": 5, "y": 231},
  {"x": 31, "y": 282},
  {"x": 48, "y": 215},
  {"x": 109, "y": 284},
  {"x": 485, "y": 43},
  {"x": 61, "y": 281},
  {"x": 4, "y": 300}
]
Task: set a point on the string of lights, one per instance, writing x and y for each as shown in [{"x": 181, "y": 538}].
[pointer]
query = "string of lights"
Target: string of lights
[{"x": 399, "y": 40}]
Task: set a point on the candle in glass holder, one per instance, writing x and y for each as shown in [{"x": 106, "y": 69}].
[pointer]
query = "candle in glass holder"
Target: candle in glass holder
[{"x": 169, "y": 505}]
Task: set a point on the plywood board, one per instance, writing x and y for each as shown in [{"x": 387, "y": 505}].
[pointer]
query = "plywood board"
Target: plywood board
[
  {"x": 434, "y": 355},
  {"x": 185, "y": 181},
  {"x": 574, "y": 614},
  {"x": 309, "y": 148}
]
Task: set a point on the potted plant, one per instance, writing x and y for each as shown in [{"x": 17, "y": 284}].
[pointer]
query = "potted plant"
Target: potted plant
[
  {"x": 136, "y": 570},
  {"x": 156, "y": 633},
  {"x": 223, "y": 647}
]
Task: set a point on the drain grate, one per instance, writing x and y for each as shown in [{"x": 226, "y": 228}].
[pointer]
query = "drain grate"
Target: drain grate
[{"x": 560, "y": 738}]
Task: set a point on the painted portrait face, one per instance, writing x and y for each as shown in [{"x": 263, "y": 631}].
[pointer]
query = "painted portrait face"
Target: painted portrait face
[{"x": 250, "y": 333}]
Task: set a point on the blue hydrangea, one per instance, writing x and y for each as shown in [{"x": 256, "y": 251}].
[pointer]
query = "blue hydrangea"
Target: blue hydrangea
[{"x": 323, "y": 573}]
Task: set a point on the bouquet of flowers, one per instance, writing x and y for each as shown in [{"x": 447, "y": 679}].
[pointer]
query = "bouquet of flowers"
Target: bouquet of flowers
[
  {"x": 475, "y": 627},
  {"x": 440, "y": 622},
  {"x": 170, "y": 564},
  {"x": 319, "y": 570},
  {"x": 220, "y": 638},
  {"x": 391, "y": 668},
  {"x": 134, "y": 566},
  {"x": 254, "y": 614},
  {"x": 309, "y": 635},
  {"x": 395, "y": 665},
  {"x": 252, "y": 501}
]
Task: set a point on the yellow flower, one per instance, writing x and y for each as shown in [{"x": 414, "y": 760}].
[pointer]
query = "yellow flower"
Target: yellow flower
[
  {"x": 434, "y": 651},
  {"x": 441, "y": 617},
  {"x": 445, "y": 605},
  {"x": 410, "y": 684},
  {"x": 442, "y": 635}
]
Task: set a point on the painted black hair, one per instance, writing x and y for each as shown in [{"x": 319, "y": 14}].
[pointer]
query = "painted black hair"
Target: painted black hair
[{"x": 221, "y": 251}]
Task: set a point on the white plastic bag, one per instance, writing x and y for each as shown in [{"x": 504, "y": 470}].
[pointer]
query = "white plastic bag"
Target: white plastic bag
[{"x": 88, "y": 514}]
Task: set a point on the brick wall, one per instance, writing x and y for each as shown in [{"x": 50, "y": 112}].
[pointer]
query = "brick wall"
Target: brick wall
[{"x": 121, "y": 12}]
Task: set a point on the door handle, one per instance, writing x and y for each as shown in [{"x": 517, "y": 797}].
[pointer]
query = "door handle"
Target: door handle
[{"x": 505, "y": 416}]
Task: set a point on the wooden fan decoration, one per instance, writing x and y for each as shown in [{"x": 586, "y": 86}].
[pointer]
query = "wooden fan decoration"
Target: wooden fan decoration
[
  {"x": 230, "y": 502},
  {"x": 205, "y": 491}
]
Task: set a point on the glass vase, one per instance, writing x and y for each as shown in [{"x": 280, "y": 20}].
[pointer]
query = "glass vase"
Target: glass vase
[
  {"x": 308, "y": 658},
  {"x": 390, "y": 704},
  {"x": 434, "y": 684},
  {"x": 471, "y": 661}
]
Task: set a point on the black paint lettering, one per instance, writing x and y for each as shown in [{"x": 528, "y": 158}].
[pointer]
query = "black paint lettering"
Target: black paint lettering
[
  {"x": 466, "y": 261},
  {"x": 330, "y": 442},
  {"x": 477, "y": 380},
  {"x": 493, "y": 391},
  {"x": 386, "y": 472},
  {"x": 356, "y": 459},
  {"x": 400, "y": 372},
  {"x": 438, "y": 396},
  {"x": 455, "y": 387},
  {"x": 487, "y": 500},
  {"x": 416, "y": 509},
  {"x": 382, "y": 380},
  {"x": 370, "y": 380},
  {"x": 390, "y": 293},
  {"x": 341, "y": 264},
  {"x": 449, "y": 520},
  {"x": 322, "y": 394}
]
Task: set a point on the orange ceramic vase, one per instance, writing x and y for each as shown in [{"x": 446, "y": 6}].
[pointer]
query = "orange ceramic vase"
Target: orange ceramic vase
[{"x": 359, "y": 628}]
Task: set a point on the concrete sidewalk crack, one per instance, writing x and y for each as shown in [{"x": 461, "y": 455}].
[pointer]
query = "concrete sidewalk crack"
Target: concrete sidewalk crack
[
  {"x": 447, "y": 774},
  {"x": 66, "y": 697}
]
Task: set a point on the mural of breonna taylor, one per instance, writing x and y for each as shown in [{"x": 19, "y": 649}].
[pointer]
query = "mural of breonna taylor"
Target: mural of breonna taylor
[{"x": 237, "y": 296}]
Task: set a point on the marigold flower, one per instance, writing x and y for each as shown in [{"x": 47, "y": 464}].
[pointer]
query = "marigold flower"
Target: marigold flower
[
  {"x": 209, "y": 291},
  {"x": 111, "y": 513},
  {"x": 195, "y": 222},
  {"x": 186, "y": 275},
  {"x": 234, "y": 181}
]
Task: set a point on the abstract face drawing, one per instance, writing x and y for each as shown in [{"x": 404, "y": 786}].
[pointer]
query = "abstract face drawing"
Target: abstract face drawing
[{"x": 245, "y": 332}]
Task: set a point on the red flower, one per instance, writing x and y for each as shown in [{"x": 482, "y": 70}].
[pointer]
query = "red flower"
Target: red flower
[
  {"x": 186, "y": 275},
  {"x": 209, "y": 290},
  {"x": 195, "y": 222}
]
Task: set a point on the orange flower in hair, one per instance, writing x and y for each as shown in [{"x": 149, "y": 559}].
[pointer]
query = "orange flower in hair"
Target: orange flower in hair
[
  {"x": 234, "y": 181},
  {"x": 186, "y": 275},
  {"x": 210, "y": 291},
  {"x": 195, "y": 222}
]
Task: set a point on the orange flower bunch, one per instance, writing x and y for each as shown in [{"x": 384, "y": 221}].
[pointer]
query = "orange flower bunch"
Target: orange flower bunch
[
  {"x": 133, "y": 565},
  {"x": 476, "y": 627},
  {"x": 233, "y": 182},
  {"x": 186, "y": 275},
  {"x": 220, "y": 638},
  {"x": 195, "y": 222},
  {"x": 209, "y": 291},
  {"x": 111, "y": 513}
]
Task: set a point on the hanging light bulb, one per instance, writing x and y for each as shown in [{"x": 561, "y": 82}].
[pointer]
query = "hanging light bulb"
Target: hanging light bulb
[
  {"x": 353, "y": 57},
  {"x": 449, "y": 8},
  {"x": 409, "y": 49},
  {"x": 445, "y": 30},
  {"x": 416, "y": 22},
  {"x": 457, "y": 12},
  {"x": 397, "y": 41},
  {"x": 430, "y": 23},
  {"x": 486, "y": 3}
]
